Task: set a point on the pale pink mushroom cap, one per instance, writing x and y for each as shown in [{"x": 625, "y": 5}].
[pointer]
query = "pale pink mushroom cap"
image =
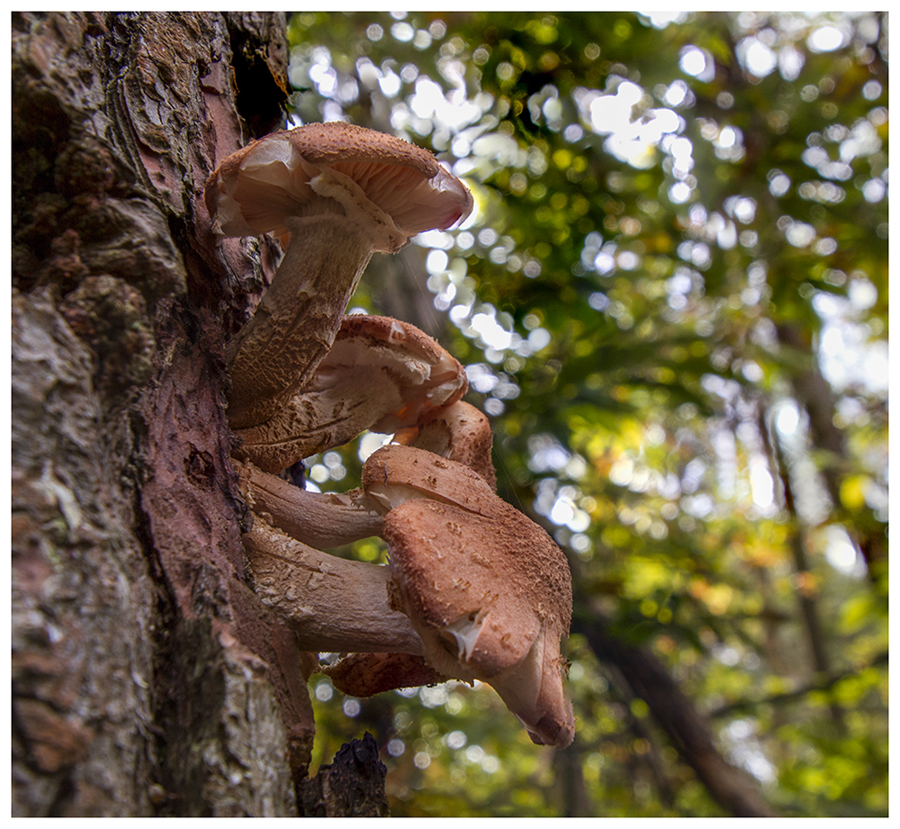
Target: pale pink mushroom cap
[{"x": 255, "y": 188}]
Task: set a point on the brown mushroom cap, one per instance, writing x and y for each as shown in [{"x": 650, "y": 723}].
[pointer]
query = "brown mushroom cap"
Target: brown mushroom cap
[
  {"x": 490, "y": 602},
  {"x": 486, "y": 589},
  {"x": 459, "y": 432},
  {"x": 367, "y": 674},
  {"x": 380, "y": 375},
  {"x": 396, "y": 473},
  {"x": 276, "y": 176}
]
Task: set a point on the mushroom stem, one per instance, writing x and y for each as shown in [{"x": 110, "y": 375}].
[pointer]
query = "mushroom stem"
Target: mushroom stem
[
  {"x": 296, "y": 322},
  {"x": 316, "y": 518},
  {"x": 331, "y": 604}
]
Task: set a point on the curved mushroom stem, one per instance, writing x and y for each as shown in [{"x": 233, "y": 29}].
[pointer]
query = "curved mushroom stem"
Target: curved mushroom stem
[
  {"x": 332, "y": 604},
  {"x": 296, "y": 322},
  {"x": 320, "y": 519}
]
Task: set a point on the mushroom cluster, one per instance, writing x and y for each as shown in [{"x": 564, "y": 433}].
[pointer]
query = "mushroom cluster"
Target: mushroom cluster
[{"x": 473, "y": 589}]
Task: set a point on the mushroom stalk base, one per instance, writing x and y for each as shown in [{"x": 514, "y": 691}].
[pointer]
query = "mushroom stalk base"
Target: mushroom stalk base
[
  {"x": 332, "y": 604},
  {"x": 296, "y": 322}
]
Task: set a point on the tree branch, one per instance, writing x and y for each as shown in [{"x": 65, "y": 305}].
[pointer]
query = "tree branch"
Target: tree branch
[
  {"x": 822, "y": 684},
  {"x": 689, "y": 731}
]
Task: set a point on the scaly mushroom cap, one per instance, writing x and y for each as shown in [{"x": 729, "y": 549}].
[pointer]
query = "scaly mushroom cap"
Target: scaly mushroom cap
[
  {"x": 459, "y": 432},
  {"x": 380, "y": 374},
  {"x": 486, "y": 589},
  {"x": 367, "y": 674},
  {"x": 400, "y": 186},
  {"x": 397, "y": 473}
]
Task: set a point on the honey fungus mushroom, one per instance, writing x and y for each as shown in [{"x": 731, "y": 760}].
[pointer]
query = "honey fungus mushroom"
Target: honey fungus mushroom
[
  {"x": 379, "y": 375},
  {"x": 341, "y": 192},
  {"x": 486, "y": 589}
]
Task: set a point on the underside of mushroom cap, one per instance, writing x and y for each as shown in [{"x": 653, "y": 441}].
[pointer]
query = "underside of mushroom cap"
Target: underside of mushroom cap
[
  {"x": 399, "y": 186},
  {"x": 428, "y": 377},
  {"x": 367, "y": 674},
  {"x": 379, "y": 375}
]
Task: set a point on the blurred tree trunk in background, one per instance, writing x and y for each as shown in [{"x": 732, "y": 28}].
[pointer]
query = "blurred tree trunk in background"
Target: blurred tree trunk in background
[
  {"x": 147, "y": 677},
  {"x": 689, "y": 731}
]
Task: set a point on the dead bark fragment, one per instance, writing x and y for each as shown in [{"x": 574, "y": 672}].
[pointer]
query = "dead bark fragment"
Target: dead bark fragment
[{"x": 352, "y": 786}]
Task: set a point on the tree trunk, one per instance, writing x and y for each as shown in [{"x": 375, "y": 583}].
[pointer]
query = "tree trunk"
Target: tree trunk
[{"x": 148, "y": 679}]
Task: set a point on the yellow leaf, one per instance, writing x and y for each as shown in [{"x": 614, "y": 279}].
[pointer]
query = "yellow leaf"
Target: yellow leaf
[
  {"x": 852, "y": 492},
  {"x": 855, "y": 612}
]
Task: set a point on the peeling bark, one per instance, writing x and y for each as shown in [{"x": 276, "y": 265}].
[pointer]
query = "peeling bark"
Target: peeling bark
[{"x": 148, "y": 679}]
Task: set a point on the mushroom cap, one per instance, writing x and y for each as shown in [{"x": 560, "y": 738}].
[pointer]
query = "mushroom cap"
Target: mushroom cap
[
  {"x": 367, "y": 674},
  {"x": 400, "y": 187},
  {"x": 486, "y": 589},
  {"x": 500, "y": 582},
  {"x": 490, "y": 601},
  {"x": 396, "y": 473},
  {"x": 459, "y": 432},
  {"x": 423, "y": 375},
  {"x": 380, "y": 374}
]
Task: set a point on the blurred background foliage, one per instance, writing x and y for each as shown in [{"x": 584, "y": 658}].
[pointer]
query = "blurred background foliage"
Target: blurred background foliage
[{"x": 672, "y": 302}]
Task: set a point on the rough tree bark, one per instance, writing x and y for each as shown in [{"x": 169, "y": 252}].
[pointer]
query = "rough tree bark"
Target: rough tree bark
[{"x": 147, "y": 677}]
